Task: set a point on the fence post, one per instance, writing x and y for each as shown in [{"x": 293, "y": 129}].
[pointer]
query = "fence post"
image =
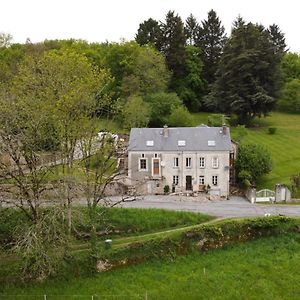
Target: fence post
[
  {"x": 146, "y": 296},
  {"x": 45, "y": 297},
  {"x": 92, "y": 297}
]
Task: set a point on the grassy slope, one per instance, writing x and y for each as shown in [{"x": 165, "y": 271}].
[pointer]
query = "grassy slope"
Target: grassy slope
[
  {"x": 284, "y": 145},
  {"x": 262, "y": 269}
]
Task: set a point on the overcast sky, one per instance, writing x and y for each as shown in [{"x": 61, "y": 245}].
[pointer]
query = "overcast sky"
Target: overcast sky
[{"x": 111, "y": 20}]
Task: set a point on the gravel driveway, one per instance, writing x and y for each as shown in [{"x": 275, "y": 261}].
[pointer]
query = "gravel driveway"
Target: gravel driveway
[{"x": 235, "y": 207}]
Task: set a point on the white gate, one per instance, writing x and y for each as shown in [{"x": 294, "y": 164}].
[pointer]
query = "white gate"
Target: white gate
[{"x": 265, "y": 196}]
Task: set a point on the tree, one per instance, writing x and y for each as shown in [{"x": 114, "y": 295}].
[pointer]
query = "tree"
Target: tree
[
  {"x": 161, "y": 106},
  {"x": 248, "y": 77},
  {"x": 290, "y": 65},
  {"x": 135, "y": 113},
  {"x": 278, "y": 40},
  {"x": 290, "y": 99},
  {"x": 191, "y": 30},
  {"x": 190, "y": 88},
  {"x": 5, "y": 39},
  {"x": 149, "y": 32},
  {"x": 211, "y": 40},
  {"x": 149, "y": 74},
  {"x": 173, "y": 47},
  {"x": 180, "y": 117},
  {"x": 253, "y": 160}
]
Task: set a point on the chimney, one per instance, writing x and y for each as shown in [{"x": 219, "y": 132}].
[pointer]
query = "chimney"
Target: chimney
[
  {"x": 166, "y": 131},
  {"x": 224, "y": 129}
]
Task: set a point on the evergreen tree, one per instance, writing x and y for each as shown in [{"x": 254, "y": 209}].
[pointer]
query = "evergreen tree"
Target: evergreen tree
[
  {"x": 278, "y": 40},
  {"x": 149, "y": 33},
  {"x": 173, "y": 46},
  {"x": 211, "y": 40},
  {"x": 248, "y": 75},
  {"x": 191, "y": 87},
  {"x": 191, "y": 29}
]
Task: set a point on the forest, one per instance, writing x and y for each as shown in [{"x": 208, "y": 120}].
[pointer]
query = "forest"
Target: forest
[{"x": 173, "y": 67}]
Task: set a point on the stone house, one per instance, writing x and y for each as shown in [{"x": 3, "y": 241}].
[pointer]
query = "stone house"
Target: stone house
[{"x": 187, "y": 159}]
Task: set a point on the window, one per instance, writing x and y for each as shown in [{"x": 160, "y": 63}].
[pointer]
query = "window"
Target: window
[
  {"x": 181, "y": 143},
  {"x": 150, "y": 143},
  {"x": 202, "y": 162},
  {"x": 188, "y": 162},
  {"x": 175, "y": 180},
  {"x": 215, "y": 180},
  {"x": 142, "y": 155},
  {"x": 201, "y": 179},
  {"x": 211, "y": 143},
  {"x": 215, "y": 162},
  {"x": 176, "y": 162},
  {"x": 143, "y": 164},
  {"x": 155, "y": 155}
]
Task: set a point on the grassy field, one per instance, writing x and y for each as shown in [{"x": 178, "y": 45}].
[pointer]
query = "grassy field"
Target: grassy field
[
  {"x": 267, "y": 268},
  {"x": 284, "y": 145},
  {"x": 139, "y": 221}
]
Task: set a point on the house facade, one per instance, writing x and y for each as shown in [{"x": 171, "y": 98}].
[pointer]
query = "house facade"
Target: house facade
[{"x": 187, "y": 159}]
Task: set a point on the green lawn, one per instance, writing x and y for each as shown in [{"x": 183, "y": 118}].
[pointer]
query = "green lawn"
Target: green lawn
[
  {"x": 267, "y": 268},
  {"x": 284, "y": 147}
]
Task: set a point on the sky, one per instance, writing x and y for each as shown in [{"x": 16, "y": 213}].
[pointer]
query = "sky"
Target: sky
[{"x": 113, "y": 20}]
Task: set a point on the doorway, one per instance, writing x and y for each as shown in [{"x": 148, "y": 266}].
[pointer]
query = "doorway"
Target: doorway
[{"x": 188, "y": 183}]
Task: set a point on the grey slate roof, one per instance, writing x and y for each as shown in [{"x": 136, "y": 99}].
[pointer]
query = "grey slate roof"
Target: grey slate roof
[{"x": 196, "y": 139}]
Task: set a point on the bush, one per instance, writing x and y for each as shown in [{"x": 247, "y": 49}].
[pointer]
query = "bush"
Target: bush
[
  {"x": 245, "y": 178},
  {"x": 217, "y": 120},
  {"x": 166, "y": 189},
  {"x": 272, "y": 130}
]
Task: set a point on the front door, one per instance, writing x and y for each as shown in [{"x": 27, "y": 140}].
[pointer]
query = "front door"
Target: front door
[
  {"x": 188, "y": 183},
  {"x": 155, "y": 167}
]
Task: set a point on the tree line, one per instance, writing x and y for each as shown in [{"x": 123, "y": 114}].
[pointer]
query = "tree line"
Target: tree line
[{"x": 236, "y": 74}]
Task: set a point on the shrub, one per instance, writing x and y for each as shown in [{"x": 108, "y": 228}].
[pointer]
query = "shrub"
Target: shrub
[
  {"x": 166, "y": 189},
  {"x": 254, "y": 159},
  {"x": 245, "y": 178},
  {"x": 217, "y": 120},
  {"x": 272, "y": 130}
]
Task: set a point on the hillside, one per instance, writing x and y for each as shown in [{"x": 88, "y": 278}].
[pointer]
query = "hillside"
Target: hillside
[{"x": 284, "y": 145}]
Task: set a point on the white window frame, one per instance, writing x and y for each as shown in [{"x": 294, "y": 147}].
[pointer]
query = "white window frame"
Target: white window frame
[
  {"x": 214, "y": 180},
  {"x": 215, "y": 162},
  {"x": 201, "y": 180},
  {"x": 175, "y": 179},
  {"x": 176, "y": 162},
  {"x": 142, "y": 169},
  {"x": 188, "y": 162},
  {"x": 202, "y": 162}
]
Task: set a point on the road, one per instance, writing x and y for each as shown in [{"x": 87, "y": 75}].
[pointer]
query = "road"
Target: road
[{"x": 235, "y": 207}]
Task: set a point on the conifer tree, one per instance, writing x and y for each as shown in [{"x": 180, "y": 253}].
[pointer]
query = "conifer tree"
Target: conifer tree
[
  {"x": 248, "y": 77},
  {"x": 211, "y": 40},
  {"x": 191, "y": 30},
  {"x": 173, "y": 46},
  {"x": 149, "y": 33}
]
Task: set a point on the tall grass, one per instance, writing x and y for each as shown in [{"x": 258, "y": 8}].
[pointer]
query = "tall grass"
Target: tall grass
[{"x": 138, "y": 221}]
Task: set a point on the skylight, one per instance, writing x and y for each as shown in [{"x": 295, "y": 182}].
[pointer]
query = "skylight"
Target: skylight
[
  {"x": 150, "y": 143},
  {"x": 181, "y": 143},
  {"x": 211, "y": 143}
]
